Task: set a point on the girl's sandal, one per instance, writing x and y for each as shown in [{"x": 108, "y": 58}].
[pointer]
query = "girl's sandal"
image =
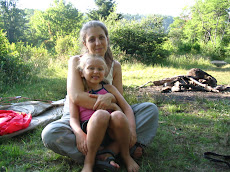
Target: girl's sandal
[{"x": 105, "y": 164}]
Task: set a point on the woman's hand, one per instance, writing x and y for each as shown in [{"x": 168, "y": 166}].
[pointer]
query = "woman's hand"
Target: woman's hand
[
  {"x": 103, "y": 101},
  {"x": 81, "y": 143}
]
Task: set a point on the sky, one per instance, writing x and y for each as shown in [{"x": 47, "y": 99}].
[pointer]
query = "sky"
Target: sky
[{"x": 145, "y": 7}]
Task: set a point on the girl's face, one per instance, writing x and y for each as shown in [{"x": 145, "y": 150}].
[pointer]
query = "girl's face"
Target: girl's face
[
  {"x": 94, "y": 71},
  {"x": 96, "y": 41}
]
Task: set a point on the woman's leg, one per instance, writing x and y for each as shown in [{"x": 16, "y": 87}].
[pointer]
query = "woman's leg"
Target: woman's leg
[
  {"x": 146, "y": 116},
  {"x": 59, "y": 137},
  {"x": 120, "y": 132},
  {"x": 96, "y": 128}
]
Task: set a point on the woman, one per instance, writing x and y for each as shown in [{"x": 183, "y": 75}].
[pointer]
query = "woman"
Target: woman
[{"x": 59, "y": 136}]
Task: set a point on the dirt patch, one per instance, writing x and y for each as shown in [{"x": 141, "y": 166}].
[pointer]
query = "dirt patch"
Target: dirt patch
[{"x": 184, "y": 96}]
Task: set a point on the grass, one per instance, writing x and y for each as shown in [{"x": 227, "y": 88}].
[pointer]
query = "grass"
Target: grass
[{"x": 186, "y": 130}]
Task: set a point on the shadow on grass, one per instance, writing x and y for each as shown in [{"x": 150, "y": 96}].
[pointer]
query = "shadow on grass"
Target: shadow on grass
[
  {"x": 46, "y": 89},
  {"x": 181, "y": 141}
]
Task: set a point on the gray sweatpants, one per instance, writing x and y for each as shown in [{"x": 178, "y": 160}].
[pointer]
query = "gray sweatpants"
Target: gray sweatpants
[{"x": 59, "y": 137}]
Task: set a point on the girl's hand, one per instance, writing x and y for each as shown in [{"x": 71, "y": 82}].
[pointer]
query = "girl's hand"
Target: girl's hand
[
  {"x": 81, "y": 143},
  {"x": 133, "y": 138},
  {"x": 103, "y": 101}
]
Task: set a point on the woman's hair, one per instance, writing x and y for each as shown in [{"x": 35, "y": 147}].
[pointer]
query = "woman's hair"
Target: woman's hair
[
  {"x": 82, "y": 63},
  {"x": 108, "y": 54}
]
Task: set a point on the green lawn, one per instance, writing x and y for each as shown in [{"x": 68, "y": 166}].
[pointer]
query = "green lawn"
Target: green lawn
[{"x": 186, "y": 130}]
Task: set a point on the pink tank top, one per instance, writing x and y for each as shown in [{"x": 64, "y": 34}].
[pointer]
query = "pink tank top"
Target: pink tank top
[{"x": 85, "y": 114}]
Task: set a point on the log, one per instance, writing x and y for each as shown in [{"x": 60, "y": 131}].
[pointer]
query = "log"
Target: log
[
  {"x": 145, "y": 84},
  {"x": 205, "y": 86},
  {"x": 167, "y": 80}
]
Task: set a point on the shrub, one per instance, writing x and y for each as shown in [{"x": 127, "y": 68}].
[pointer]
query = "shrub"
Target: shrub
[
  {"x": 67, "y": 45},
  {"x": 141, "y": 39},
  {"x": 12, "y": 68}
]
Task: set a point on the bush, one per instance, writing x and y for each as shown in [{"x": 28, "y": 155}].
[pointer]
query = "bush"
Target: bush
[
  {"x": 143, "y": 40},
  {"x": 214, "y": 53},
  {"x": 67, "y": 45},
  {"x": 12, "y": 68},
  {"x": 20, "y": 61}
]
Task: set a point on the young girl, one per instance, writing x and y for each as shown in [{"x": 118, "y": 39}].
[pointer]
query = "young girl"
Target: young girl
[{"x": 103, "y": 127}]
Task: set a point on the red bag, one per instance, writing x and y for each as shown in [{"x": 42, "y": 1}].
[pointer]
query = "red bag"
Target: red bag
[{"x": 11, "y": 121}]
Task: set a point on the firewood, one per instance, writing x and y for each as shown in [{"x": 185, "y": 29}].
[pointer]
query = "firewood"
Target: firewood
[
  {"x": 145, "y": 84},
  {"x": 167, "y": 80},
  {"x": 205, "y": 86}
]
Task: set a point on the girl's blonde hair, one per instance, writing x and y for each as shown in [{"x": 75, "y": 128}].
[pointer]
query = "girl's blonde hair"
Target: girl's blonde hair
[
  {"x": 108, "y": 54},
  {"x": 82, "y": 62}
]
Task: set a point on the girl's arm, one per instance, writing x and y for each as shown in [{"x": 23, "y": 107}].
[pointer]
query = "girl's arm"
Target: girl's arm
[
  {"x": 76, "y": 127},
  {"x": 75, "y": 89}
]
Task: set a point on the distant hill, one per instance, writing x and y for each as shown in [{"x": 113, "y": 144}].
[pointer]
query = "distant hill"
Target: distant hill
[{"x": 167, "y": 21}]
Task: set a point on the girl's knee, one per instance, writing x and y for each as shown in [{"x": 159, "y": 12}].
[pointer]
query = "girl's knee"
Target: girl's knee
[
  {"x": 118, "y": 118},
  {"x": 101, "y": 116},
  {"x": 118, "y": 115}
]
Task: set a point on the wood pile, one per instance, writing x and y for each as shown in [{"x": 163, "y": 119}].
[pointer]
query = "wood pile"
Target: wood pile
[{"x": 195, "y": 80}]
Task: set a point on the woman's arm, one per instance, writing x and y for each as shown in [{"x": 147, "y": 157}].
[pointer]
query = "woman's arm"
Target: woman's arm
[
  {"x": 125, "y": 107},
  {"x": 117, "y": 77}
]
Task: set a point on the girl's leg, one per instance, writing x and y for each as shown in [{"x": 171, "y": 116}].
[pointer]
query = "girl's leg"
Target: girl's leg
[
  {"x": 119, "y": 131},
  {"x": 96, "y": 129}
]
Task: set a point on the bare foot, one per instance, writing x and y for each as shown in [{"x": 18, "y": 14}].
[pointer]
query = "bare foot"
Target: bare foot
[
  {"x": 131, "y": 165},
  {"x": 87, "y": 168}
]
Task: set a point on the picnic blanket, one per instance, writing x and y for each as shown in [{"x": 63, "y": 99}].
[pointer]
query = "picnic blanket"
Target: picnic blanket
[{"x": 42, "y": 113}]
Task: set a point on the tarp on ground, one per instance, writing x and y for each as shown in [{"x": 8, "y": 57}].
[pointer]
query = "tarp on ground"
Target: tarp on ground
[{"x": 42, "y": 113}]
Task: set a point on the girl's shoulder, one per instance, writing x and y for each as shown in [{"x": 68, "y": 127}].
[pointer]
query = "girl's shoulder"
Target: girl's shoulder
[{"x": 110, "y": 88}]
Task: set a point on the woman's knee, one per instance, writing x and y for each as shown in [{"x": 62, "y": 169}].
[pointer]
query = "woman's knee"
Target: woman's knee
[
  {"x": 153, "y": 110},
  {"x": 52, "y": 132},
  {"x": 146, "y": 109}
]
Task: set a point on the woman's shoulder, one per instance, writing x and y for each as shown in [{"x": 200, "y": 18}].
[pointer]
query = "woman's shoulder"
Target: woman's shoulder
[
  {"x": 117, "y": 66},
  {"x": 74, "y": 60}
]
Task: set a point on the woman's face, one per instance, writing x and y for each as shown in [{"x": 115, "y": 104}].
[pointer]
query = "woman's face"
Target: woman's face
[{"x": 96, "y": 41}]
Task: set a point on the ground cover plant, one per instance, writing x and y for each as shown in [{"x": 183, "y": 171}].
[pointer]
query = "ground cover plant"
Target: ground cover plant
[{"x": 186, "y": 130}]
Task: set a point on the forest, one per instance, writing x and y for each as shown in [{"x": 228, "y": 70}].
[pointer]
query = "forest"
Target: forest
[{"x": 31, "y": 39}]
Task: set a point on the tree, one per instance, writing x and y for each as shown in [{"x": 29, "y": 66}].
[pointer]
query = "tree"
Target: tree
[
  {"x": 58, "y": 20},
  {"x": 105, "y": 8},
  {"x": 206, "y": 26},
  {"x": 212, "y": 18},
  {"x": 12, "y": 20}
]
